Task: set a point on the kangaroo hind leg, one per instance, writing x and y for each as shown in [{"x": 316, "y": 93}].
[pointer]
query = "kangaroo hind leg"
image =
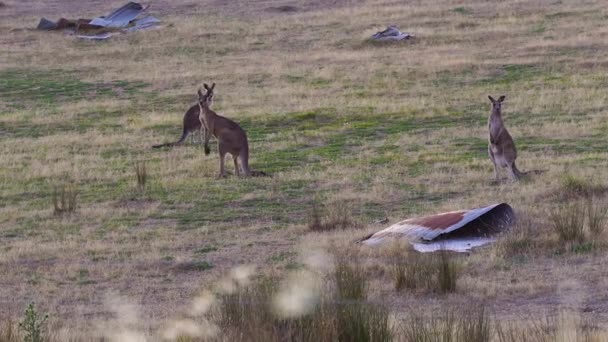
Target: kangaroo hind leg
[
  {"x": 235, "y": 158},
  {"x": 222, "y": 153},
  {"x": 491, "y": 154}
]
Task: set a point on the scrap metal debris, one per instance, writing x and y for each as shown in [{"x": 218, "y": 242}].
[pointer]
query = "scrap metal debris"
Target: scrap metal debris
[
  {"x": 124, "y": 19},
  {"x": 143, "y": 24},
  {"x": 101, "y": 36},
  {"x": 61, "y": 24},
  {"x": 458, "y": 231},
  {"x": 120, "y": 17},
  {"x": 391, "y": 33}
]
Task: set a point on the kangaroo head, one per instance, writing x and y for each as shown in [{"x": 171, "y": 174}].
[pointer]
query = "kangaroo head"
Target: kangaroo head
[
  {"x": 206, "y": 99},
  {"x": 496, "y": 104}
]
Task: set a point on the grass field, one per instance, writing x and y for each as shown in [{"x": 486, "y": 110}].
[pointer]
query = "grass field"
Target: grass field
[{"x": 370, "y": 130}]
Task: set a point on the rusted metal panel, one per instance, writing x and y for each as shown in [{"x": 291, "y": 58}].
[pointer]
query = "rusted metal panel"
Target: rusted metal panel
[
  {"x": 64, "y": 23},
  {"x": 456, "y": 230}
]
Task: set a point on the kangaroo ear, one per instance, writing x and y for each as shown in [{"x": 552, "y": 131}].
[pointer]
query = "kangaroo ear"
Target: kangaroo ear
[
  {"x": 200, "y": 93},
  {"x": 502, "y": 98},
  {"x": 491, "y": 99},
  {"x": 206, "y": 86},
  {"x": 213, "y": 86}
]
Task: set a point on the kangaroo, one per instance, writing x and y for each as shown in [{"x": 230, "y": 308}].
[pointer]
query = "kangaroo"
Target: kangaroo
[
  {"x": 192, "y": 125},
  {"x": 501, "y": 147},
  {"x": 231, "y": 138}
]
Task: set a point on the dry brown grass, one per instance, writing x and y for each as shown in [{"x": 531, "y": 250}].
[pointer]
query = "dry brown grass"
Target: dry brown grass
[
  {"x": 331, "y": 215},
  {"x": 395, "y": 131}
]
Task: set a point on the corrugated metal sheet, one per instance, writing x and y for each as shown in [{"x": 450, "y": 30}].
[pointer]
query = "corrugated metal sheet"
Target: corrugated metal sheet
[
  {"x": 124, "y": 18},
  {"x": 391, "y": 33},
  {"x": 46, "y": 24},
  {"x": 120, "y": 17},
  {"x": 143, "y": 24},
  {"x": 456, "y": 230}
]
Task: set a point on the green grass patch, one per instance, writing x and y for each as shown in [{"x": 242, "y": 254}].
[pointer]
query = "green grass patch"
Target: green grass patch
[
  {"x": 513, "y": 73},
  {"x": 205, "y": 249},
  {"x": 22, "y": 88},
  {"x": 462, "y": 10}
]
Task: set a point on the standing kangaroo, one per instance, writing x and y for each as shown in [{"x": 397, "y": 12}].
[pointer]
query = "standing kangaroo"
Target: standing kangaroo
[
  {"x": 231, "y": 138},
  {"x": 501, "y": 147},
  {"x": 192, "y": 125}
]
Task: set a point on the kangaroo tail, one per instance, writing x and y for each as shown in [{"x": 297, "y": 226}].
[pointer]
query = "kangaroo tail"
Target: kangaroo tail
[
  {"x": 516, "y": 171},
  {"x": 177, "y": 143},
  {"x": 525, "y": 173},
  {"x": 534, "y": 172},
  {"x": 248, "y": 171}
]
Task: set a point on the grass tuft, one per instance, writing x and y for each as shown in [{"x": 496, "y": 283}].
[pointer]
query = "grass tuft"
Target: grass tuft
[
  {"x": 410, "y": 269},
  {"x": 475, "y": 327},
  {"x": 398, "y": 272},
  {"x": 522, "y": 238},
  {"x": 574, "y": 186},
  {"x": 314, "y": 221},
  {"x": 9, "y": 332},
  {"x": 141, "y": 174},
  {"x": 335, "y": 215},
  {"x": 362, "y": 321},
  {"x": 247, "y": 309},
  {"x": 33, "y": 324},
  {"x": 64, "y": 199},
  {"x": 580, "y": 220},
  {"x": 435, "y": 271},
  {"x": 341, "y": 315},
  {"x": 350, "y": 280},
  {"x": 596, "y": 216},
  {"x": 453, "y": 324},
  {"x": 357, "y": 320},
  {"x": 568, "y": 221},
  {"x": 447, "y": 272}
]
